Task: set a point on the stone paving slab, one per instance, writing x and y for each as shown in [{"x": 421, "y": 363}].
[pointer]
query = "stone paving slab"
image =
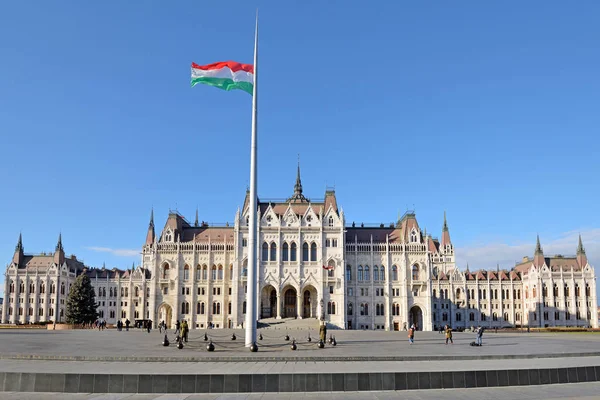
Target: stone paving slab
[
  {"x": 286, "y": 367},
  {"x": 297, "y": 381},
  {"x": 352, "y": 346},
  {"x": 580, "y": 391}
]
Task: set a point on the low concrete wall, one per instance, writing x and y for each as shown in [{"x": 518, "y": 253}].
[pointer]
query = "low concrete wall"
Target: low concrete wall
[{"x": 300, "y": 382}]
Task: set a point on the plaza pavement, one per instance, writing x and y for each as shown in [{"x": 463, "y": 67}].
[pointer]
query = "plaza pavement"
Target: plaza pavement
[
  {"x": 580, "y": 391},
  {"x": 136, "y": 362},
  {"x": 136, "y": 345}
]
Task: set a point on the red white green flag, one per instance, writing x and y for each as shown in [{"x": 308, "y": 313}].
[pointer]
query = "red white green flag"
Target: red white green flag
[{"x": 226, "y": 75}]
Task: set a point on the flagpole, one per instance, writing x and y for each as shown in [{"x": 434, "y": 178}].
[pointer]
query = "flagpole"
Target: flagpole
[{"x": 252, "y": 268}]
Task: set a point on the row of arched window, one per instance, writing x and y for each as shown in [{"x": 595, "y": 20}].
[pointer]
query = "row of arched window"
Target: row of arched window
[
  {"x": 216, "y": 272},
  {"x": 32, "y": 287},
  {"x": 201, "y": 308},
  {"x": 443, "y": 294},
  {"x": 289, "y": 252}
]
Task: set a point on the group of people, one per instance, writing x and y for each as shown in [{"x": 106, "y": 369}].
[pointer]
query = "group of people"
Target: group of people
[
  {"x": 448, "y": 331},
  {"x": 120, "y": 325},
  {"x": 182, "y": 329}
]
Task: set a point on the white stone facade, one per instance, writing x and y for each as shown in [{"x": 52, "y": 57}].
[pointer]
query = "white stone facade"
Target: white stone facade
[{"x": 312, "y": 264}]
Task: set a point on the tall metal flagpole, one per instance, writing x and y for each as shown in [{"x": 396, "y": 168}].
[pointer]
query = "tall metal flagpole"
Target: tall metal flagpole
[{"x": 252, "y": 269}]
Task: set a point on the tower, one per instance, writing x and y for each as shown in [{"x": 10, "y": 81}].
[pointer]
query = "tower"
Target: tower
[
  {"x": 59, "y": 251},
  {"x": 538, "y": 257},
  {"x": 150, "y": 236},
  {"x": 581, "y": 256},
  {"x": 18, "y": 256}
]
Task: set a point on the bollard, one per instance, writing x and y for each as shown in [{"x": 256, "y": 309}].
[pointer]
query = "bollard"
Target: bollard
[
  {"x": 260, "y": 336},
  {"x": 165, "y": 341},
  {"x": 309, "y": 339},
  {"x": 253, "y": 347},
  {"x": 233, "y": 337},
  {"x": 205, "y": 337},
  {"x": 334, "y": 342},
  {"x": 320, "y": 344},
  {"x": 286, "y": 338},
  {"x": 330, "y": 339},
  {"x": 293, "y": 346},
  {"x": 180, "y": 344},
  {"x": 210, "y": 346}
]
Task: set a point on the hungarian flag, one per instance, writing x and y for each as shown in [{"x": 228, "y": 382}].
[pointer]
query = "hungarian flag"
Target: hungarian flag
[{"x": 226, "y": 75}]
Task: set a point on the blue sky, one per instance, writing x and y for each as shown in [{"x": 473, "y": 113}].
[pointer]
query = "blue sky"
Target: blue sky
[{"x": 487, "y": 111}]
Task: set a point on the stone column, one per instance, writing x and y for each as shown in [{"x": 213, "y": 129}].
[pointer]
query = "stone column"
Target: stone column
[
  {"x": 278, "y": 305},
  {"x": 299, "y": 306},
  {"x": 6, "y": 303}
]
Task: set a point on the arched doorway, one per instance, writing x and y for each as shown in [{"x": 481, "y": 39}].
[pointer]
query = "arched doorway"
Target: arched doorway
[
  {"x": 289, "y": 303},
  {"x": 416, "y": 317},
  {"x": 309, "y": 302},
  {"x": 165, "y": 313},
  {"x": 268, "y": 302}
]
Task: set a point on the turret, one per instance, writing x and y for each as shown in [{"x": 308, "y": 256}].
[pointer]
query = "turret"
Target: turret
[
  {"x": 538, "y": 257},
  {"x": 445, "y": 234},
  {"x": 59, "y": 251},
  {"x": 581, "y": 256},
  {"x": 18, "y": 256},
  {"x": 196, "y": 221},
  {"x": 150, "y": 236}
]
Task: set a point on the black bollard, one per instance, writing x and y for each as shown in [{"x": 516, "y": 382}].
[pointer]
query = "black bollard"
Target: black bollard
[
  {"x": 260, "y": 336},
  {"x": 253, "y": 347},
  {"x": 233, "y": 337},
  {"x": 286, "y": 337},
  {"x": 165, "y": 341},
  {"x": 180, "y": 344},
  {"x": 334, "y": 342},
  {"x": 320, "y": 344},
  {"x": 330, "y": 339},
  {"x": 309, "y": 339},
  {"x": 210, "y": 346},
  {"x": 293, "y": 346},
  {"x": 205, "y": 337}
]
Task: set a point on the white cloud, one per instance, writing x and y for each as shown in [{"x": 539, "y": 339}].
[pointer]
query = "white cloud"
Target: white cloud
[
  {"x": 487, "y": 255},
  {"x": 115, "y": 252}
]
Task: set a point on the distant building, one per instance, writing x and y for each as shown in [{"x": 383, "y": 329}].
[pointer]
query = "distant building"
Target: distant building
[{"x": 312, "y": 264}]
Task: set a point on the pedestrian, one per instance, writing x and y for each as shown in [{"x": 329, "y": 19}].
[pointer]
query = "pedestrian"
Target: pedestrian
[
  {"x": 322, "y": 332},
  {"x": 127, "y": 322},
  {"x": 449, "y": 334},
  {"x": 184, "y": 330},
  {"x": 411, "y": 334},
  {"x": 149, "y": 325},
  {"x": 478, "y": 340},
  {"x": 177, "y": 328},
  {"x": 160, "y": 327}
]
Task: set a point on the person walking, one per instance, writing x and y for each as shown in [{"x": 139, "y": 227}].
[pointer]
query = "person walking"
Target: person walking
[
  {"x": 479, "y": 337},
  {"x": 448, "y": 334},
  {"x": 127, "y": 322},
  {"x": 149, "y": 325},
  {"x": 177, "y": 328},
  {"x": 184, "y": 330},
  {"x": 322, "y": 332},
  {"x": 411, "y": 334}
]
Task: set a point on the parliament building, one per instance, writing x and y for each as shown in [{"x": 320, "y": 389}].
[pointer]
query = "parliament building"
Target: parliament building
[{"x": 311, "y": 264}]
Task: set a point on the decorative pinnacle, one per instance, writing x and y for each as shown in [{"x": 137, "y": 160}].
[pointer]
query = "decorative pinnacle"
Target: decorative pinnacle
[
  {"x": 298, "y": 185},
  {"x": 196, "y": 221},
  {"x": 580, "y": 249}
]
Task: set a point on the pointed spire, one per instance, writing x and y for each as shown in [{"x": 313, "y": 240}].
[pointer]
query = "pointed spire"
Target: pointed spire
[
  {"x": 298, "y": 185},
  {"x": 467, "y": 267},
  {"x": 59, "y": 246},
  {"x": 445, "y": 228},
  {"x": 196, "y": 221},
  {"x": 298, "y": 196},
  {"x": 150, "y": 236},
  {"x": 19, "y": 247},
  {"x": 538, "y": 247},
  {"x": 132, "y": 266},
  {"x": 580, "y": 249}
]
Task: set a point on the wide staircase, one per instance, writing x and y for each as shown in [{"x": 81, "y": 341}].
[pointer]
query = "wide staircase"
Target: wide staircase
[{"x": 289, "y": 324}]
